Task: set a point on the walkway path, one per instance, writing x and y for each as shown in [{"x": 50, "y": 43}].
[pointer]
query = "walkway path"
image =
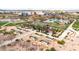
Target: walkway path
[{"x": 66, "y": 31}]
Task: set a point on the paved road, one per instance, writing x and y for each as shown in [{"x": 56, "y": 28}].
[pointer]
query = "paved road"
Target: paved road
[{"x": 66, "y": 31}]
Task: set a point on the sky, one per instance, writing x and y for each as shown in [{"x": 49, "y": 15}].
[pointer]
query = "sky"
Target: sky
[{"x": 39, "y": 4}]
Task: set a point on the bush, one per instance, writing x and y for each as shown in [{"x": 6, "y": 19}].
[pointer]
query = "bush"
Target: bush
[
  {"x": 28, "y": 41},
  {"x": 62, "y": 42},
  {"x": 51, "y": 49},
  {"x": 47, "y": 50}
]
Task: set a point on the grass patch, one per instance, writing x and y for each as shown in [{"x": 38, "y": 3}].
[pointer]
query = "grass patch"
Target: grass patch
[
  {"x": 76, "y": 25},
  {"x": 2, "y": 23},
  {"x": 14, "y": 24},
  {"x": 11, "y": 24}
]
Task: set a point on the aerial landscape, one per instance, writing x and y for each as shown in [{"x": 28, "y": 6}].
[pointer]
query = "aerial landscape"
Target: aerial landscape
[{"x": 39, "y": 30}]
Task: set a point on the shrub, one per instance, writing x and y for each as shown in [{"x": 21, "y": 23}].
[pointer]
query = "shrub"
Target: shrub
[
  {"x": 51, "y": 49},
  {"x": 62, "y": 42},
  {"x": 28, "y": 41},
  {"x": 47, "y": 50}
]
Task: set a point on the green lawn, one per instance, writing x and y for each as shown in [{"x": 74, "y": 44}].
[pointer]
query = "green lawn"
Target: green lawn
[
  {"x": 76, "y": 25},
  {"x": 11, "y": 24},
  {"x": 2, "y": 23},
  {"x": 14, "y": 23}
]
